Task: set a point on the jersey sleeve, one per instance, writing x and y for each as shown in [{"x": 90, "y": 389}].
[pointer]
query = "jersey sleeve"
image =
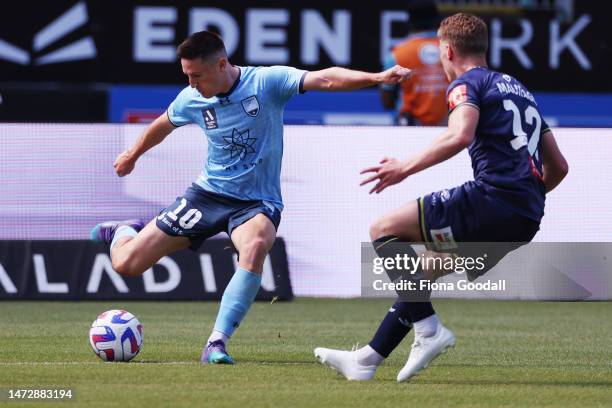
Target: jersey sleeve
[
  {"x": 177, "y": 112},
  {"x": 284, "y": 82},
  {"x": 389, "y": 62},
  {"x": 462, "y": 92},
  {"x": 545, "y": 128}
]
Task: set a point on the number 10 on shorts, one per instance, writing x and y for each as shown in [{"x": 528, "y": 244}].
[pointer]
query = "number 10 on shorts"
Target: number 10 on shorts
[{"x": 188, "y": 220}]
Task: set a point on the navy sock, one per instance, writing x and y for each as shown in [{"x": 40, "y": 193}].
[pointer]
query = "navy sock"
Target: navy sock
[
  {"x": 392, "y": 330},
  {"x": 420, "y": 310}
]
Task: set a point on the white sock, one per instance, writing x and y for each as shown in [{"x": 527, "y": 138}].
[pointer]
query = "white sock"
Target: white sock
[
  {"x": 426, "y": 327},
  {"x": 217, "y": 335},
  {"x": 122, "y": 232},
  {"x": 368, "y": 356}
]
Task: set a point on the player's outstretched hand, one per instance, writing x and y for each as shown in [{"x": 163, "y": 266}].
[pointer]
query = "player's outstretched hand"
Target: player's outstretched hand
[
  {"x": 396, "y": 75},
  {"x": 124, "y": 164},
  {"x": 390, "y": 171}
]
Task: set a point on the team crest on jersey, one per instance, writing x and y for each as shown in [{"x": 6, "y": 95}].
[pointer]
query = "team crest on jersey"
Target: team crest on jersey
[
  {"x": 251, "y": 105},
  {"x": 457, "y": 96},
  {"x": 210, "y": 118},
  {"x": 443, "y": 239}
]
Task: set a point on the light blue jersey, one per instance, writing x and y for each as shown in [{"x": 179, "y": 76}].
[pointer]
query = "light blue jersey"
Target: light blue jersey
[{"x": 245, "y": 131}]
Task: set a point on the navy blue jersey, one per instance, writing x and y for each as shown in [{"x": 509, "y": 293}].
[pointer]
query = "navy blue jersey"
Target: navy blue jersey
[{"x": 505, "y": 150}]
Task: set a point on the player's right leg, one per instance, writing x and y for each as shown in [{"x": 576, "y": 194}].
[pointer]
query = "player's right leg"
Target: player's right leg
[
  {"x": 402, "y": 224},
  {"x": 135, "y": 248},
  {"x": 132, "y": 257},
  {"x": 361, "y": 365}
]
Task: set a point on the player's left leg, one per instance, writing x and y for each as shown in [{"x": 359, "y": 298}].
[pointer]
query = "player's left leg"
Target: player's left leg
[
  {"x": 390, "y": 236},
  {"x": 252, "y": 239}
]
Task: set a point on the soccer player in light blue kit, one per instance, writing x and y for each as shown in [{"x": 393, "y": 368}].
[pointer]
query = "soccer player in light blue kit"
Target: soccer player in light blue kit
[{"x": 240, "y": 110}]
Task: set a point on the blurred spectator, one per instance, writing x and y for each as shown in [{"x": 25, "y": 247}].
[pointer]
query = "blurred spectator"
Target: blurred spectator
[{"x": 423, "y": 97}]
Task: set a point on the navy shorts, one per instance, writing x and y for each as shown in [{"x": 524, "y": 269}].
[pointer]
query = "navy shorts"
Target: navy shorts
[
  {"x": 200, "y": 214},
  {"x": 468, "y": 214}
]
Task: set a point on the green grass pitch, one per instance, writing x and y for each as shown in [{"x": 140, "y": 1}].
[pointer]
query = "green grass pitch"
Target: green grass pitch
[{"x": 507, "y": 354}]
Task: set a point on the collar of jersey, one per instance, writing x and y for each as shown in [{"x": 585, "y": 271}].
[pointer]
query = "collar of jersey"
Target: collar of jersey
[
  {"x": 236, "y": 82},
  {"x": 476, "y": 67}
]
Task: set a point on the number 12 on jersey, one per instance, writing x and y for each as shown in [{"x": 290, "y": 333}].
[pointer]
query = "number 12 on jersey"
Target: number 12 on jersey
[{"x": 531, "y": 115}]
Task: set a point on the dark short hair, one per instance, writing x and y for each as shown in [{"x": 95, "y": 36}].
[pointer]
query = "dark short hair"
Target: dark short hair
[
  {"x": 466, "y": 33},
  {"x": 203, "y": 44}
]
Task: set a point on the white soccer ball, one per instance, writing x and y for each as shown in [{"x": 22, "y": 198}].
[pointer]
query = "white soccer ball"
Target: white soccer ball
[{"x": 116, "y": 335}]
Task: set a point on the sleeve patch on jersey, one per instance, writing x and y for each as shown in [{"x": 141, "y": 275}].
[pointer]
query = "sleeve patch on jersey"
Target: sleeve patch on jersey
[
  {"x": 170, "y": 120},
  {"x": 301, "y": 86},
  {"x": 457, "y": 96}
]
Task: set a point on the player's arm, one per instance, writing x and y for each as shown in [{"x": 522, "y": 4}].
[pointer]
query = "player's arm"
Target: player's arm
[
  {"x": 343, "y": 79},
  {"x": 462, "y": 124},
  {"x": 153, "y": 135},
  {"x": 461, "y": 129},
  {"x": 554, "y": 165},
  {"x": 389, "y": 92}
]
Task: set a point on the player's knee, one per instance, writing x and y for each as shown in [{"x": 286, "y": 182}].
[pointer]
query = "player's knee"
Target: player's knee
[
  {"x": 255, "y": 250},
  {"x": 126, "y": 267},
  {"x": 381, "y": 228}
]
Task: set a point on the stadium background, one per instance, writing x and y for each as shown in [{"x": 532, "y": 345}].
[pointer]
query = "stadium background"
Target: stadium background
[
  {"x": 92, "y": 62},
  {"x": 78, "y": 81}
]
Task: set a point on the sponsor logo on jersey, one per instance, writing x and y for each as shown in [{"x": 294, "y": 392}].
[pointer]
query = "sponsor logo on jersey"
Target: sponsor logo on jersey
[
  {"x": 457, "y": 96},
  {"x": 239, "y": 144},
  {"x": 251, "y": 105},
  {"x": 210, "y": 118}
]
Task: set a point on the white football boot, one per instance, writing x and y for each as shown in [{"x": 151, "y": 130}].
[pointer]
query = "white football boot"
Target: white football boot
[
  {"x": 345, "y": 363},
  {"x": 425, "y": 350}
]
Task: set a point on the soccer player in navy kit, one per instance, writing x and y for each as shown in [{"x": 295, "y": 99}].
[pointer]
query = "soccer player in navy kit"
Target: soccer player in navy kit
[
  {"x": 240, "y": 110},
  {"x": 515, "y": 160}
]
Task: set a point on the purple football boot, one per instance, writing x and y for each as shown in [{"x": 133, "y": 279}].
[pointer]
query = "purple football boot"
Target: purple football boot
[
  {"x": 105, "y": 231},
  {"x": 214, "y": 353}
]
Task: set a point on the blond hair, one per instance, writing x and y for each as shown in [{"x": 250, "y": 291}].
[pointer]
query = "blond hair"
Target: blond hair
[{"x": 466, "y": 33}]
